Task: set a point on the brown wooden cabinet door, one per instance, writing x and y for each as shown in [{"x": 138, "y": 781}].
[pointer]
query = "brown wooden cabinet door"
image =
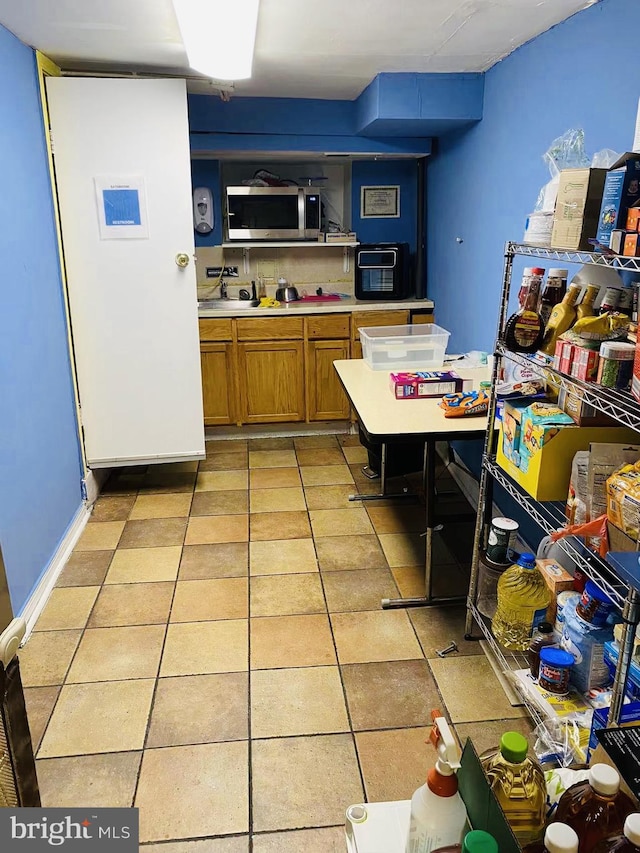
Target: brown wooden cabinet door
[
  {"x": 216, "y": 361},
  {"x": 271, "y": 381},
  {"x": 327, "y": 400}
]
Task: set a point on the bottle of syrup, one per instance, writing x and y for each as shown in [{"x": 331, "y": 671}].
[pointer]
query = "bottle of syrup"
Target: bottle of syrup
[
  {"x": 595, "y": 808},
  {"x": 553, "y": 293},
  {"x": 524, "y": 330},
  {"x": 628, "y": 842}
]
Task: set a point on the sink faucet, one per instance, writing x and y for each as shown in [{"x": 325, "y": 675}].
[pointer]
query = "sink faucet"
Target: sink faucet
[{"x": 223, "y": 290}]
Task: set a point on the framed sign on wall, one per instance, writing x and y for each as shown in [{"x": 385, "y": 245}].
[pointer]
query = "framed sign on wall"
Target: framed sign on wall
[{"x": 379, "y": 202}]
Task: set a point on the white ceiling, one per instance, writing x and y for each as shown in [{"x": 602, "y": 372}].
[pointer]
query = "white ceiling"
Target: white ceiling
[{"x": 330, "y": 49}]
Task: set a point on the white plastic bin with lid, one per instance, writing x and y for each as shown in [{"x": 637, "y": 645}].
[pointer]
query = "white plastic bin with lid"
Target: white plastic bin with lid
[{"x": 404, "y": 348}]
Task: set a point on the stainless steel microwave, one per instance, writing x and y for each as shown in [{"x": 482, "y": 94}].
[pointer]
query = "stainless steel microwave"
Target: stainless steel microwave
[{"x": 273, "y": 213}]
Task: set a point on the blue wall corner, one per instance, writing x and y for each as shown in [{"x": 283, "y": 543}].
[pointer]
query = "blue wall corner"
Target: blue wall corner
[
  {"x": 484, "y": 181},
  {"x": 40, "y": 463}
]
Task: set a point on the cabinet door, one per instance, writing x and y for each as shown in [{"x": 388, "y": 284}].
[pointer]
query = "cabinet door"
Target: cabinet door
[
  {"x": 327, "y": 400},
  {"x": 216, "y": 361},
  {"x": 271, "y": 381}
]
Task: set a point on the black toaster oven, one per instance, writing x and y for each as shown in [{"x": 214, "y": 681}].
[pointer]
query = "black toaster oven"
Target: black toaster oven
[{"x": 382, "y": 271}]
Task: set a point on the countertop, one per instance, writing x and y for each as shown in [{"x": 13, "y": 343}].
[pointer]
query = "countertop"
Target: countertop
[{"x": 333, "y": 307}]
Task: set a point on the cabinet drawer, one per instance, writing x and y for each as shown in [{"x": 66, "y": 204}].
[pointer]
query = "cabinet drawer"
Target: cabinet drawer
[
  {"x": 328, "y": 326},
  {"x": 269, "y": 329},
  {"x": 421, "y": 319},
  {"x": 215, "y": 329},
  {"x": 363, "y": 319}
]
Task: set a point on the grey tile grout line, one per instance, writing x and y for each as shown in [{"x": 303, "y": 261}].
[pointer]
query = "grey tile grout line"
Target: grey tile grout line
[
  {"x": 249, "y": 732},
  {"x": 342, "y": 684},
  {"x": 249, "y": 669}
]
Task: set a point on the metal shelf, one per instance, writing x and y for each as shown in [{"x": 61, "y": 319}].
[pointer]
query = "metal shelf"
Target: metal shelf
[
  {"x": 570, "y": 256},
  {"x": 619, "y": 405},
  {"x": 550, "y": 516},
  {"x": 508, "y": 662}
]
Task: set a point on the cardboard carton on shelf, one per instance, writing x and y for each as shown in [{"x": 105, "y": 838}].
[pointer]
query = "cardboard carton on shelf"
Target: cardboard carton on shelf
[
  {"x": 620, "y": 192},
  {"x": 549, "y": 469},
  {"x": 581, "y": 413},
  {"x": 577, "y": 211},
  {"x": 631, "y": 248}
]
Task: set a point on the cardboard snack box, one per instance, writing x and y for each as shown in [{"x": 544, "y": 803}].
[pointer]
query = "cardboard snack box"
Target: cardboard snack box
[{"x": 577, "y": 212}]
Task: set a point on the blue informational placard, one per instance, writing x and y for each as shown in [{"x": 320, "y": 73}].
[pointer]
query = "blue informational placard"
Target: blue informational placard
[{"x": 121, "y": 207}]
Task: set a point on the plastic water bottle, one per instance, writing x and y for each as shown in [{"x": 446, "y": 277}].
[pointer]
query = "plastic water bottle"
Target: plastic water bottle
[{"x": 523, "y": 599}]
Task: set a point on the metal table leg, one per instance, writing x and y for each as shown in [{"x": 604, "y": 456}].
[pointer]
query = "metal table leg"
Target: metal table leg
[
  {"x": 429, "y": 479},
  {"x": 382, "y": 494}
]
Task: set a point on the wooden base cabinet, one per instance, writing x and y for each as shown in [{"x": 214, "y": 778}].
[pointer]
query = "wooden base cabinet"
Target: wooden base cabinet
[
  {"x": 218, "y": 393},
  {"x": 271, "y": 377},
  {"x": 326, "y": 399}
]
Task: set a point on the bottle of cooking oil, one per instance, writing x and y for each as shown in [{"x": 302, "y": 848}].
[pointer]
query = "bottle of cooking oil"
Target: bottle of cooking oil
[
  {"x": 523, "y": 599},
  {"x": 519, "y": 786},
  {"x": 596, "y": 808}
]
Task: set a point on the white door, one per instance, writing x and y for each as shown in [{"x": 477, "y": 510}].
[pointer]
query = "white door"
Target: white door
[{"x": 122, "y": 165}]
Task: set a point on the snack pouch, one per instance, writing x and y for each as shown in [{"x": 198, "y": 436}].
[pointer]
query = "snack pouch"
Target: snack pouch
[{"x": 465, "y": 404}]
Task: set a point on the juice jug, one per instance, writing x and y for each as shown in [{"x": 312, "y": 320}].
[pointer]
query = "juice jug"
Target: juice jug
[
  {"x": 628, "y": 842},
  {"x": 595, "y": 808},
  {"x": 523, "y": 599},
  {"x": 519, "y": 786}
]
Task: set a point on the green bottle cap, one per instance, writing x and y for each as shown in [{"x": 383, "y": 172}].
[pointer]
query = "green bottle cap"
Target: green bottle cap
[
  {"x": 478, "y": 841},
  {"x": 514, "y": 747}
]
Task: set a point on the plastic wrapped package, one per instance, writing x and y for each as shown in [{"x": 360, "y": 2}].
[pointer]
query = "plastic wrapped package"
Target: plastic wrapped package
[
  {"x": 565, "y": 152},
  {"x": 578, "y": 497}
]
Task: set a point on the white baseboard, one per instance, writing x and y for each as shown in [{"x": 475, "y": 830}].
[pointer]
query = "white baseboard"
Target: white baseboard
[
  {"x": 35, "y": 603},
  {"x": 93, "y": 483}
]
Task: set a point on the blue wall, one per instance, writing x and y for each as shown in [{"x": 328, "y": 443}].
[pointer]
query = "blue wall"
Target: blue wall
[
  {"x": 40, "y": 468},
  {"x": 484, "y": 181},
  {"x": 402, "y": 173}
]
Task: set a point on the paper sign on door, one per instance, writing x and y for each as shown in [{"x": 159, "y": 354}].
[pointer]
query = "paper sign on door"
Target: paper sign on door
[{"x": 122, "y": 208}]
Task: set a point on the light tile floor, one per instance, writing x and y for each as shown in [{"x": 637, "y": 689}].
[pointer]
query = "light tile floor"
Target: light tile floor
[{"x": 215, "y": 652}]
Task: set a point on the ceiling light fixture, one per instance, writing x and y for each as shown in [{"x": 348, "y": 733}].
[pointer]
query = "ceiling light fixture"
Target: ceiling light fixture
[{"x": 219, "y": 35}]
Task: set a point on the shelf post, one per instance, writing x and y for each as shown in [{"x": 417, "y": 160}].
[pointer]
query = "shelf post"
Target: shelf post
[
  {"x": 485, "y": 491},
  {"x": 630, "y": 618}
]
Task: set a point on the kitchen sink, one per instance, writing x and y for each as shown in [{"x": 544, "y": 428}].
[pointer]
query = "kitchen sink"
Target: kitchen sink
[{"x": 229, "y": 304}]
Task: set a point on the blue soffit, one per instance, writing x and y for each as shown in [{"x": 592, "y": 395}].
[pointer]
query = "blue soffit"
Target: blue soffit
[
  {"x": 419, "y": 104},
  {"x": 392, "y": 107}
]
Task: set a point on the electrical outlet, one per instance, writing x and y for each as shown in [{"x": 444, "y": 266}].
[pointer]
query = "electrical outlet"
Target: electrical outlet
[
  {"x": 227, "y": 272},
  {"x": 266, "y": 269}
]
